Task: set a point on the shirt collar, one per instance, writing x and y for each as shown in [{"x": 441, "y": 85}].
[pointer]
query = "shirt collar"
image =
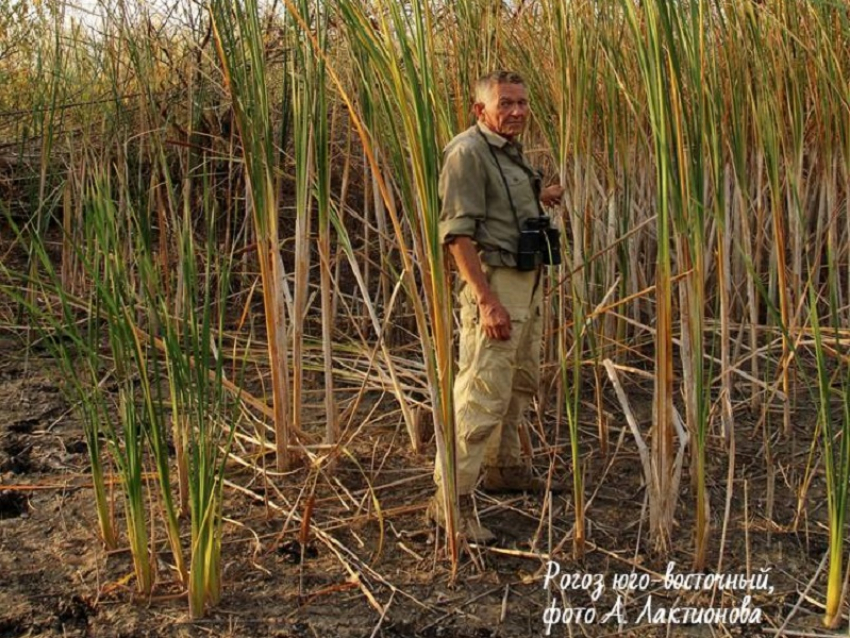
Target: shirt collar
[{"x": 497, "y": 140}]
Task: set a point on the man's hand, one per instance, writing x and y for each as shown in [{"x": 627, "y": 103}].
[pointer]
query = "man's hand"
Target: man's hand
[
  {"x": 552, "y": 195},
  {"x": 495, "y": 319}
]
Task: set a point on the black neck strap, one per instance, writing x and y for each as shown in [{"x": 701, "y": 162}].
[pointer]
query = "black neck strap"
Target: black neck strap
[
  {"x": 525, "y": 170},
  {"x": 504, "y": 179}
]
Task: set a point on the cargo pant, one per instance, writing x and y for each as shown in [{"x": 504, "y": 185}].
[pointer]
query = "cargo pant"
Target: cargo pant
[{"x": 496, "y": 380}]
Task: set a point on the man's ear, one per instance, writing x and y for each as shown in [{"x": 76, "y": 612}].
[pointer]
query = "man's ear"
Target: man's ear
[{"x": 477, "y": 109}]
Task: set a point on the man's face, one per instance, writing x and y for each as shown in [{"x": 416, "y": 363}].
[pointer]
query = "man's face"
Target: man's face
[{"x": 506, "y": 109}]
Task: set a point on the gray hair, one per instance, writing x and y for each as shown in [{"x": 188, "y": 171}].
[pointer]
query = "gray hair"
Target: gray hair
[{"x": 485, "y": 84}]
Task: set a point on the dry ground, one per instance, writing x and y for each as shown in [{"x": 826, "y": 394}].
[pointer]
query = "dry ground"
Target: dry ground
[{"x": 57, "y": 580}]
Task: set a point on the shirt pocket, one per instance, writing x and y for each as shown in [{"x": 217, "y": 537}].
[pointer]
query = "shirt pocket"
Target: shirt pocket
[{"x": 522, "y": 193}]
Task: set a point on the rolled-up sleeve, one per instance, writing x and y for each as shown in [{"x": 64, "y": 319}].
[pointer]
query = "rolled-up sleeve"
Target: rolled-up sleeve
[{"x": 462, "y": 191}]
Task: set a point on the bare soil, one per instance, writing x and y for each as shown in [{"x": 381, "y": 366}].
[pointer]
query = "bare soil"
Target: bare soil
[{"x": 56, "y": 579}]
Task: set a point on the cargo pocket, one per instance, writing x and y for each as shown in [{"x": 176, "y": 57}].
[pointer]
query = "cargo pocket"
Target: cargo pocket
[{"x": 519, "y": 314}]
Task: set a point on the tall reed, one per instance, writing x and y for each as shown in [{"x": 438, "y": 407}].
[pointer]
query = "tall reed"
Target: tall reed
[
  {"x": 648, "y": 30},
  {"x": 833, "y": 420},
  {"x": 400, "y": 53},
  {"x": 110, "y": 265},
  {"x": 564, "y": 106},
  {"x": 307, "y": 82},
  {"x": 193, "y": 346},
  {"x": 699, "y": 175},
  {"x": 239, "y": 44}
]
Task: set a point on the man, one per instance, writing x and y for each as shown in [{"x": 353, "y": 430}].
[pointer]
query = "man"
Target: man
[{"x": 488, "y": 191}]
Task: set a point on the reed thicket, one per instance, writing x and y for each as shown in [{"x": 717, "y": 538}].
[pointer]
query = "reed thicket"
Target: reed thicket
[{"x": 705, "y": 151}]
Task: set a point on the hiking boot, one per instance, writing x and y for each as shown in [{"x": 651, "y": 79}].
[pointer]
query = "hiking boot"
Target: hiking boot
[
  {"x": 518, "y": 478},
  {"x": 469, "y": 526}
]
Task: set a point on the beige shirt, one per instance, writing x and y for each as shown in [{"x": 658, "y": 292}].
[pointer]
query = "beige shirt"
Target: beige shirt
[{"x": 474, "y": 194}]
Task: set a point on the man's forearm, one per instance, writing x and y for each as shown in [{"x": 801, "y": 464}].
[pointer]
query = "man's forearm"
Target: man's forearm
[
  {"x": 468, "y": 263},
  {"x": 495, "y": 319}
]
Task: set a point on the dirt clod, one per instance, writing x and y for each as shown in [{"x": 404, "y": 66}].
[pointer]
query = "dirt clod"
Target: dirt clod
[
  {"x": 12, "y": 504},
  {"x": 74, "y": 611}
]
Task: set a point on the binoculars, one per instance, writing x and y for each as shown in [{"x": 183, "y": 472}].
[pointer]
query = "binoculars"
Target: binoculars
[{"x": 539, "y": 243}]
